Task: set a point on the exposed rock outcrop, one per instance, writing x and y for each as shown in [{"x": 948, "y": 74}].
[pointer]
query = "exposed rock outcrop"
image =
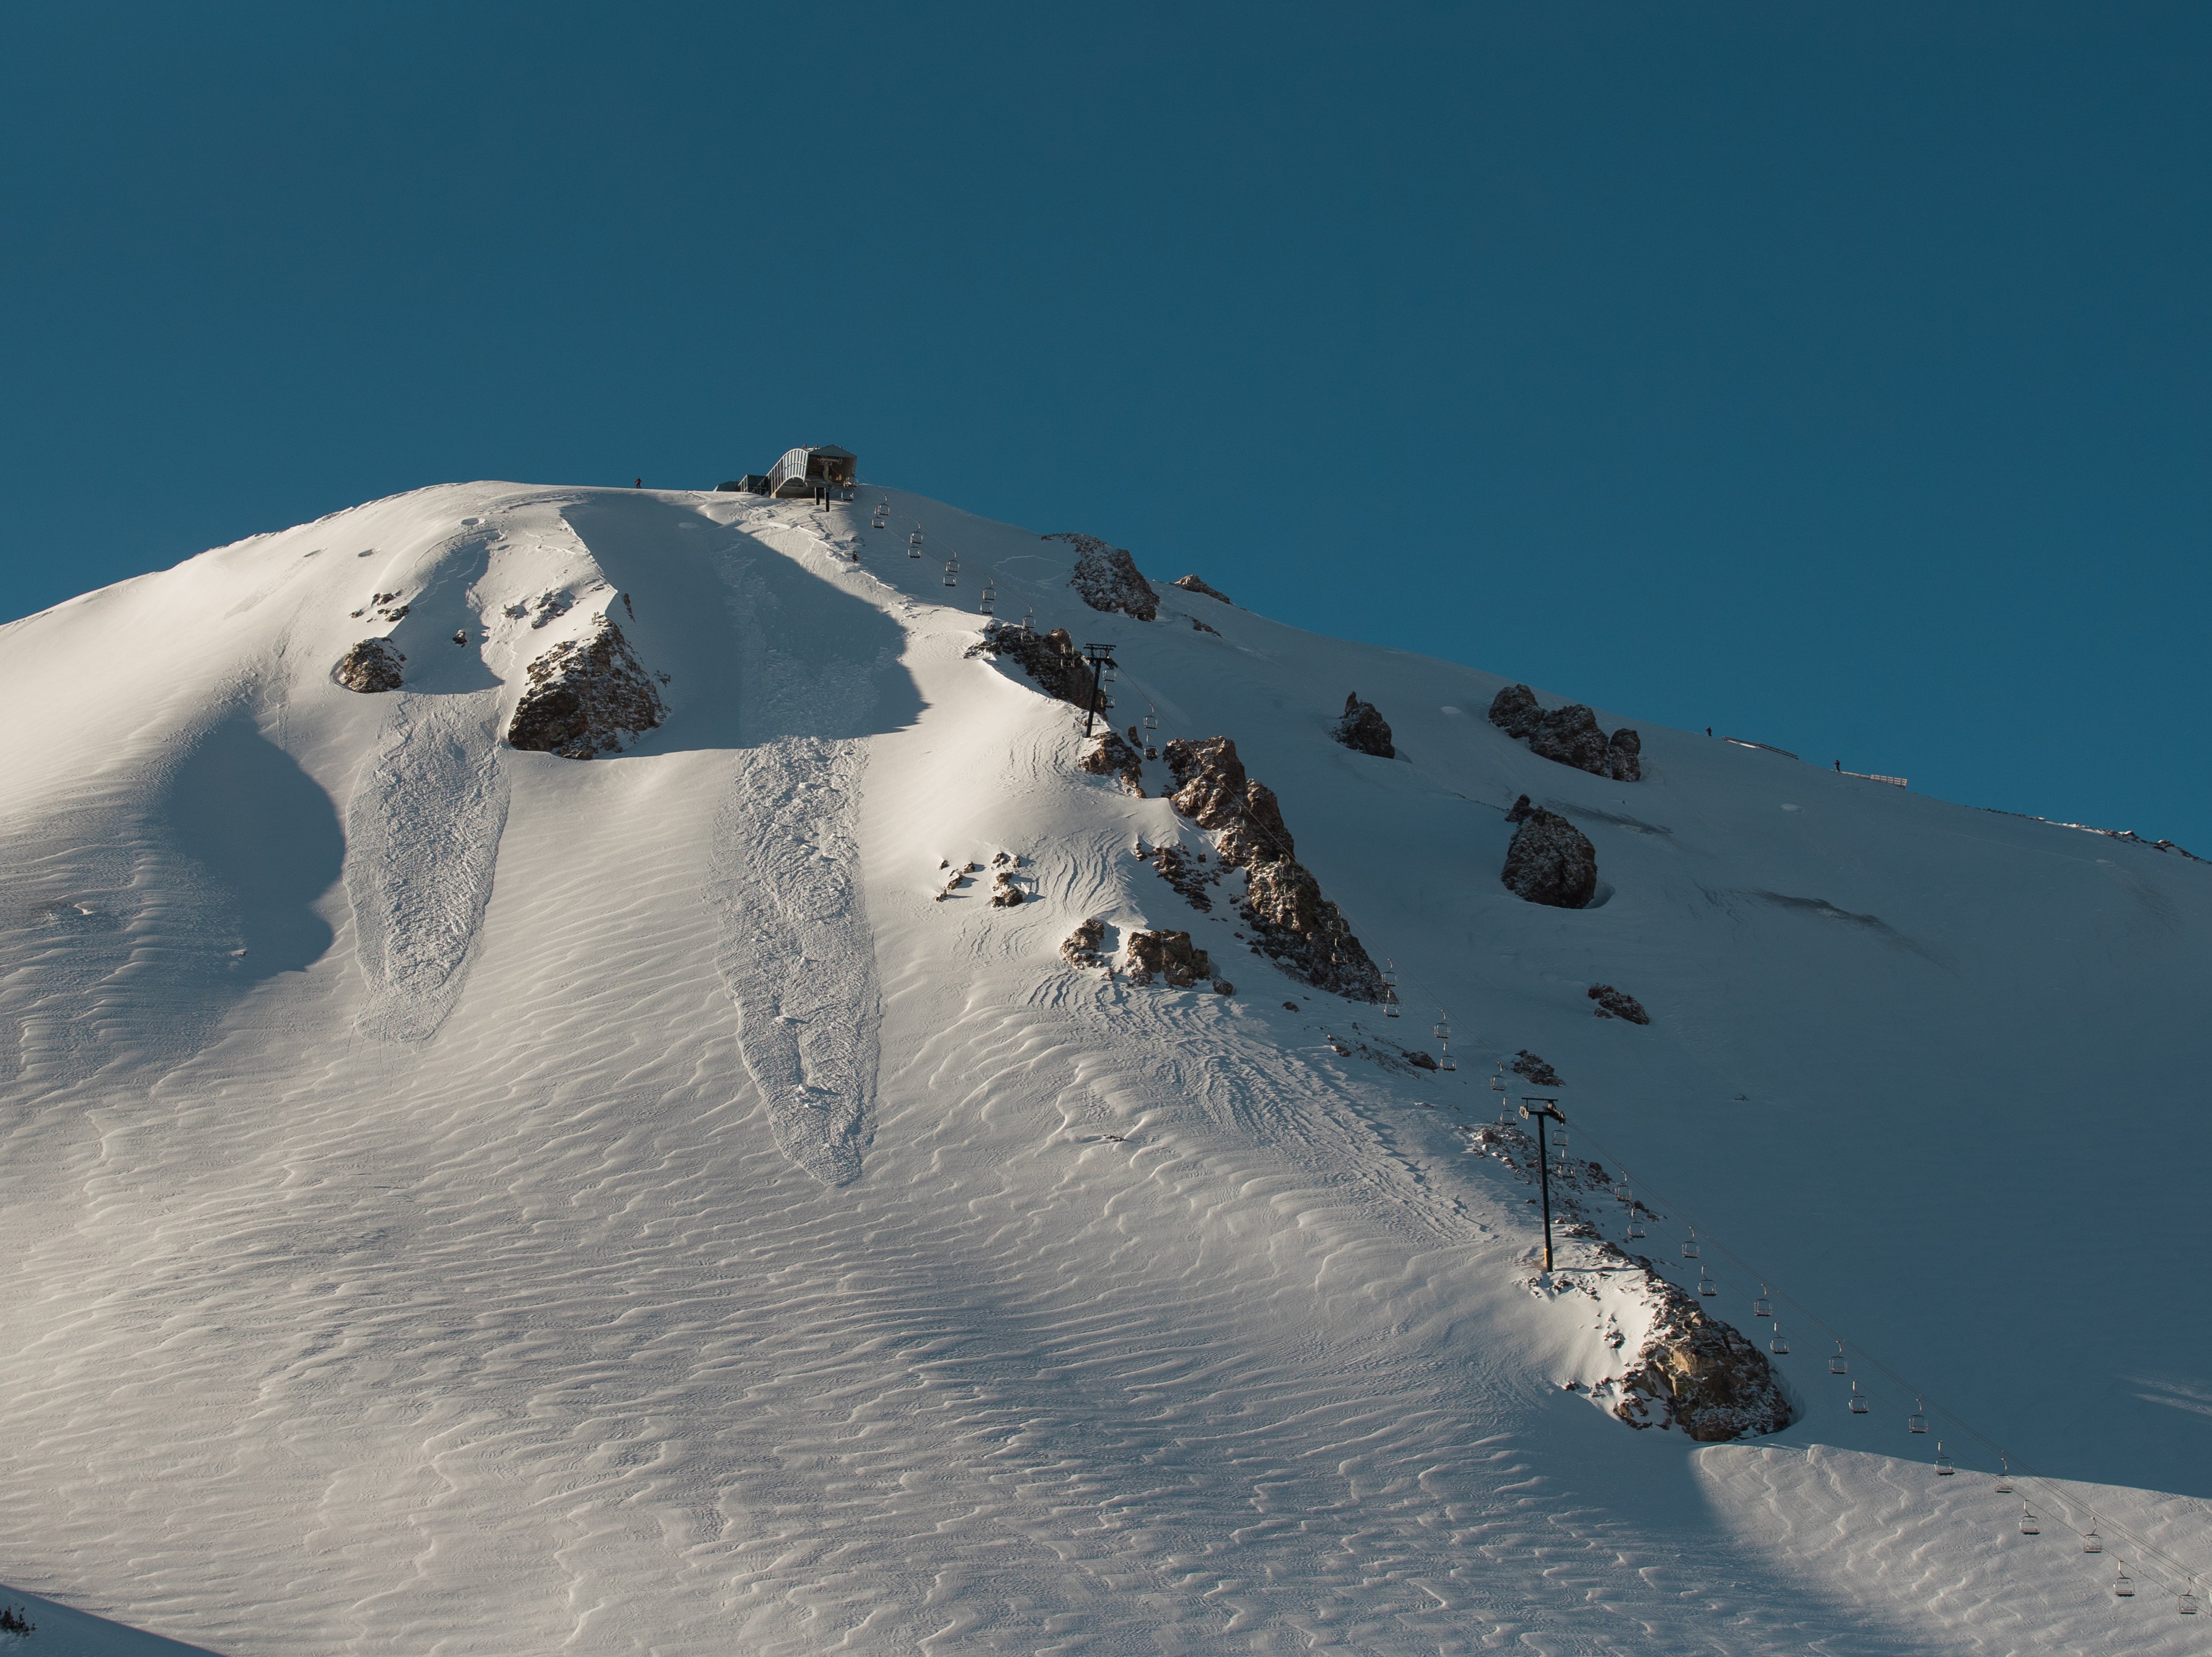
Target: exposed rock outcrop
[
  {"x": 1192, "y": 584},
  {"x": 586, "y": 697},
  {"x": 1292, "y": 923},
  {"x": 370, "y": 666},
  {"x": 1698, "y": 1374},
  {"x": 1107, "y": 577},
  {"x": 1532, "y": 1065},
  {"x": 1618, "y": 1003},
  {"x": 1004, "y": 894},
  {"x": 1165, "y": 955},
  {"x": 1689, "y": 1370},
  {"x": 1363, "y": 729},
  {"x": 1189, "y": 877},
  {"x": 1082, "y": 948},
  {"x": 1109, "y": 756},
  {"x": 1551, "y": 861},
  {"x": 1050, "y": 659},
  {"x": 1569, "y": 735}
]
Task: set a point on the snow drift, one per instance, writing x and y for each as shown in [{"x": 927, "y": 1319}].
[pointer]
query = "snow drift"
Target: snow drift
[{"x": 459, "y": 1197}]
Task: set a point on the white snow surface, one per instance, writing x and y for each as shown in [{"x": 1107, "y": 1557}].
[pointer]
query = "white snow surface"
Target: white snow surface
[{"x": 466, "y": 1200}]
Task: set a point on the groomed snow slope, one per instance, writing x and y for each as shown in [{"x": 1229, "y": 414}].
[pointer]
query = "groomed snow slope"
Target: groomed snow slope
[{"x": 462, "y": 1199}]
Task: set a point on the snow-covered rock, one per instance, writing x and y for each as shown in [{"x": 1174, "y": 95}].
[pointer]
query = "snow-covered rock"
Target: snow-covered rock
[
  {"x": 1107, "y": 577},
  {"x": 1618, "y": 1003},
  {"x": 372, "y": 665},
  {"x": 1550, "y": 861},
  {"x": 1363, "y": 729},
  {"x": 1167, "y": 956},
  {"x": 587, "y": 696},
  {"x": 1569, "y": 735},
  {"x": 1192, "y": 584}
]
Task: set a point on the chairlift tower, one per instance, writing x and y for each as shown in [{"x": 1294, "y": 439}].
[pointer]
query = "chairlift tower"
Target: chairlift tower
[
  {"x": 1546, "y": 1110},
  {"x": 1099, "y": 655}
]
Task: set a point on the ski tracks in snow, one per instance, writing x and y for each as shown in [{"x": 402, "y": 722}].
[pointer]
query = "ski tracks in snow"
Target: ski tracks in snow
[{"x": 796, "y": 949}]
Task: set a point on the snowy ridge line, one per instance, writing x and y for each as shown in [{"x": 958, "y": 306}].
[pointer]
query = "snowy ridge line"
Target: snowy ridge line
[{"x": 2141, "y": 1547}]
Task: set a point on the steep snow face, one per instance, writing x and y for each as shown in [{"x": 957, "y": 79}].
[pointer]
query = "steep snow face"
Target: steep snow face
[{"x": 466, "y": 1196}]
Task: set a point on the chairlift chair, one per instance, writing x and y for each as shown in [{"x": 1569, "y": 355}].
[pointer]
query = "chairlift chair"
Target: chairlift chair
[
  {"x": 2029, "y": 1524},
  {"x": 1690, "y": 1245},
  {"x": 1917, "y": 1421},
  {"x": 1943, "y": 1468},
  {"x": 1441, "y": 1029},
  {"x": 1778, "y": 1345},
  {"x": 1635, "y": 1225},
  {"x": 2004, "y": 1478},
  {"x": 1151, "y": 717},
  {"x": 1444, "y": 1060},
  {"x": 1389, "y": 1001},
  {"x": 2093, "y": 1543},
  {"x": 1707, "y": 1286},
  {"x": 1858, "y": 1400},
  {"x": 1029, "y": 617},
  {"x": 952, "y": 575},
  {"x": 1762, "y": 1307},
  {"x": 1837, "y": 1366},
  {"x": 2188, "y": 1606},
  {"x": 2124, "y": 1585}
]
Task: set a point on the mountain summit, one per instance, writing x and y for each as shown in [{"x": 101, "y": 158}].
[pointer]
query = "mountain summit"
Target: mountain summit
[{"x": 614, "y": 1070}]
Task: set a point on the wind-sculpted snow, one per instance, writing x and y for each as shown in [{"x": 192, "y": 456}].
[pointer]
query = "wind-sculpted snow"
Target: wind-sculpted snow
[
  {"x": 797, "y": 952},
  {"x": 422, "y": 833},
  {"x": 1149, "y": 1319}
]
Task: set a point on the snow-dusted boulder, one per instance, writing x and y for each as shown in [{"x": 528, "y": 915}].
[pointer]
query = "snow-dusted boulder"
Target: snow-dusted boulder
[
  {"x": 1083, "y": 947},
  {"x": 1699, "y": 1374},
  {"x": 1050, "y": 659},
  {"x": 1618, "y": 1003},
  {"x": 370, "y": 666},
  {"x": 1551, "y": 861},
  {"x": 1107, "y": 577},
  {"x": 1192, "y": 584},
  {"x": 1535, "y": 1068},
  {"x": 1515, "y": 711},
  {"x": 1109, "y": 756},
  {"x": 1165, "y": 955},
  {"x": 1569, "y": 735},
  {"x": 586, "y": 697},
  {"x": 1364, "y": 730}
]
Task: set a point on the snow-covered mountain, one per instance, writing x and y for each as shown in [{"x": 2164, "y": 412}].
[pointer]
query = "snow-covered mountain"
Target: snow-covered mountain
[{"x": 591, "y": 1069}]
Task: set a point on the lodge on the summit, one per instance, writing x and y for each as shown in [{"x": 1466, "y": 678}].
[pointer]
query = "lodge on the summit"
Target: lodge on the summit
[{"x": 802, "y": 474}]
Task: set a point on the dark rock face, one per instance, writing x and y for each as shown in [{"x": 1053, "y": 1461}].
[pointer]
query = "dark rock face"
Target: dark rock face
[
  {"x": 1551, "y": 861},
  {"x": 1532, "y": 1065},
  {"x": 370, "y": 666},
  {"x": 1293, "y": 924},
  {"x": 1109, "y": 756},
  {"x": 1107, "y": 577},
  {"x": 1363, "y": 729},
  {"x": 1192, "y": 584},
  {"x": 1166, "y": 954},
  {"x": 1082, "y": 947},
  {"x": 1514, "y": 710},
  {"x": 1004, "y": 894},
  {"x": 585, "y": 696},
  {"x": 1618, "y": 1003},
  {"x": 1569, "y": 735},
  {"x": 1698, "y": 1374},
  {"x": 1050, "y": 659}
]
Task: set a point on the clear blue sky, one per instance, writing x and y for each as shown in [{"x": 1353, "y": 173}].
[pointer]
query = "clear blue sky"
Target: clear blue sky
[{"x": 1833, "y": 375}]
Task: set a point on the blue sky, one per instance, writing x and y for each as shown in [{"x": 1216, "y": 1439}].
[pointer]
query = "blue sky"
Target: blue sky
[{"x": 1833, "y": 376}]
